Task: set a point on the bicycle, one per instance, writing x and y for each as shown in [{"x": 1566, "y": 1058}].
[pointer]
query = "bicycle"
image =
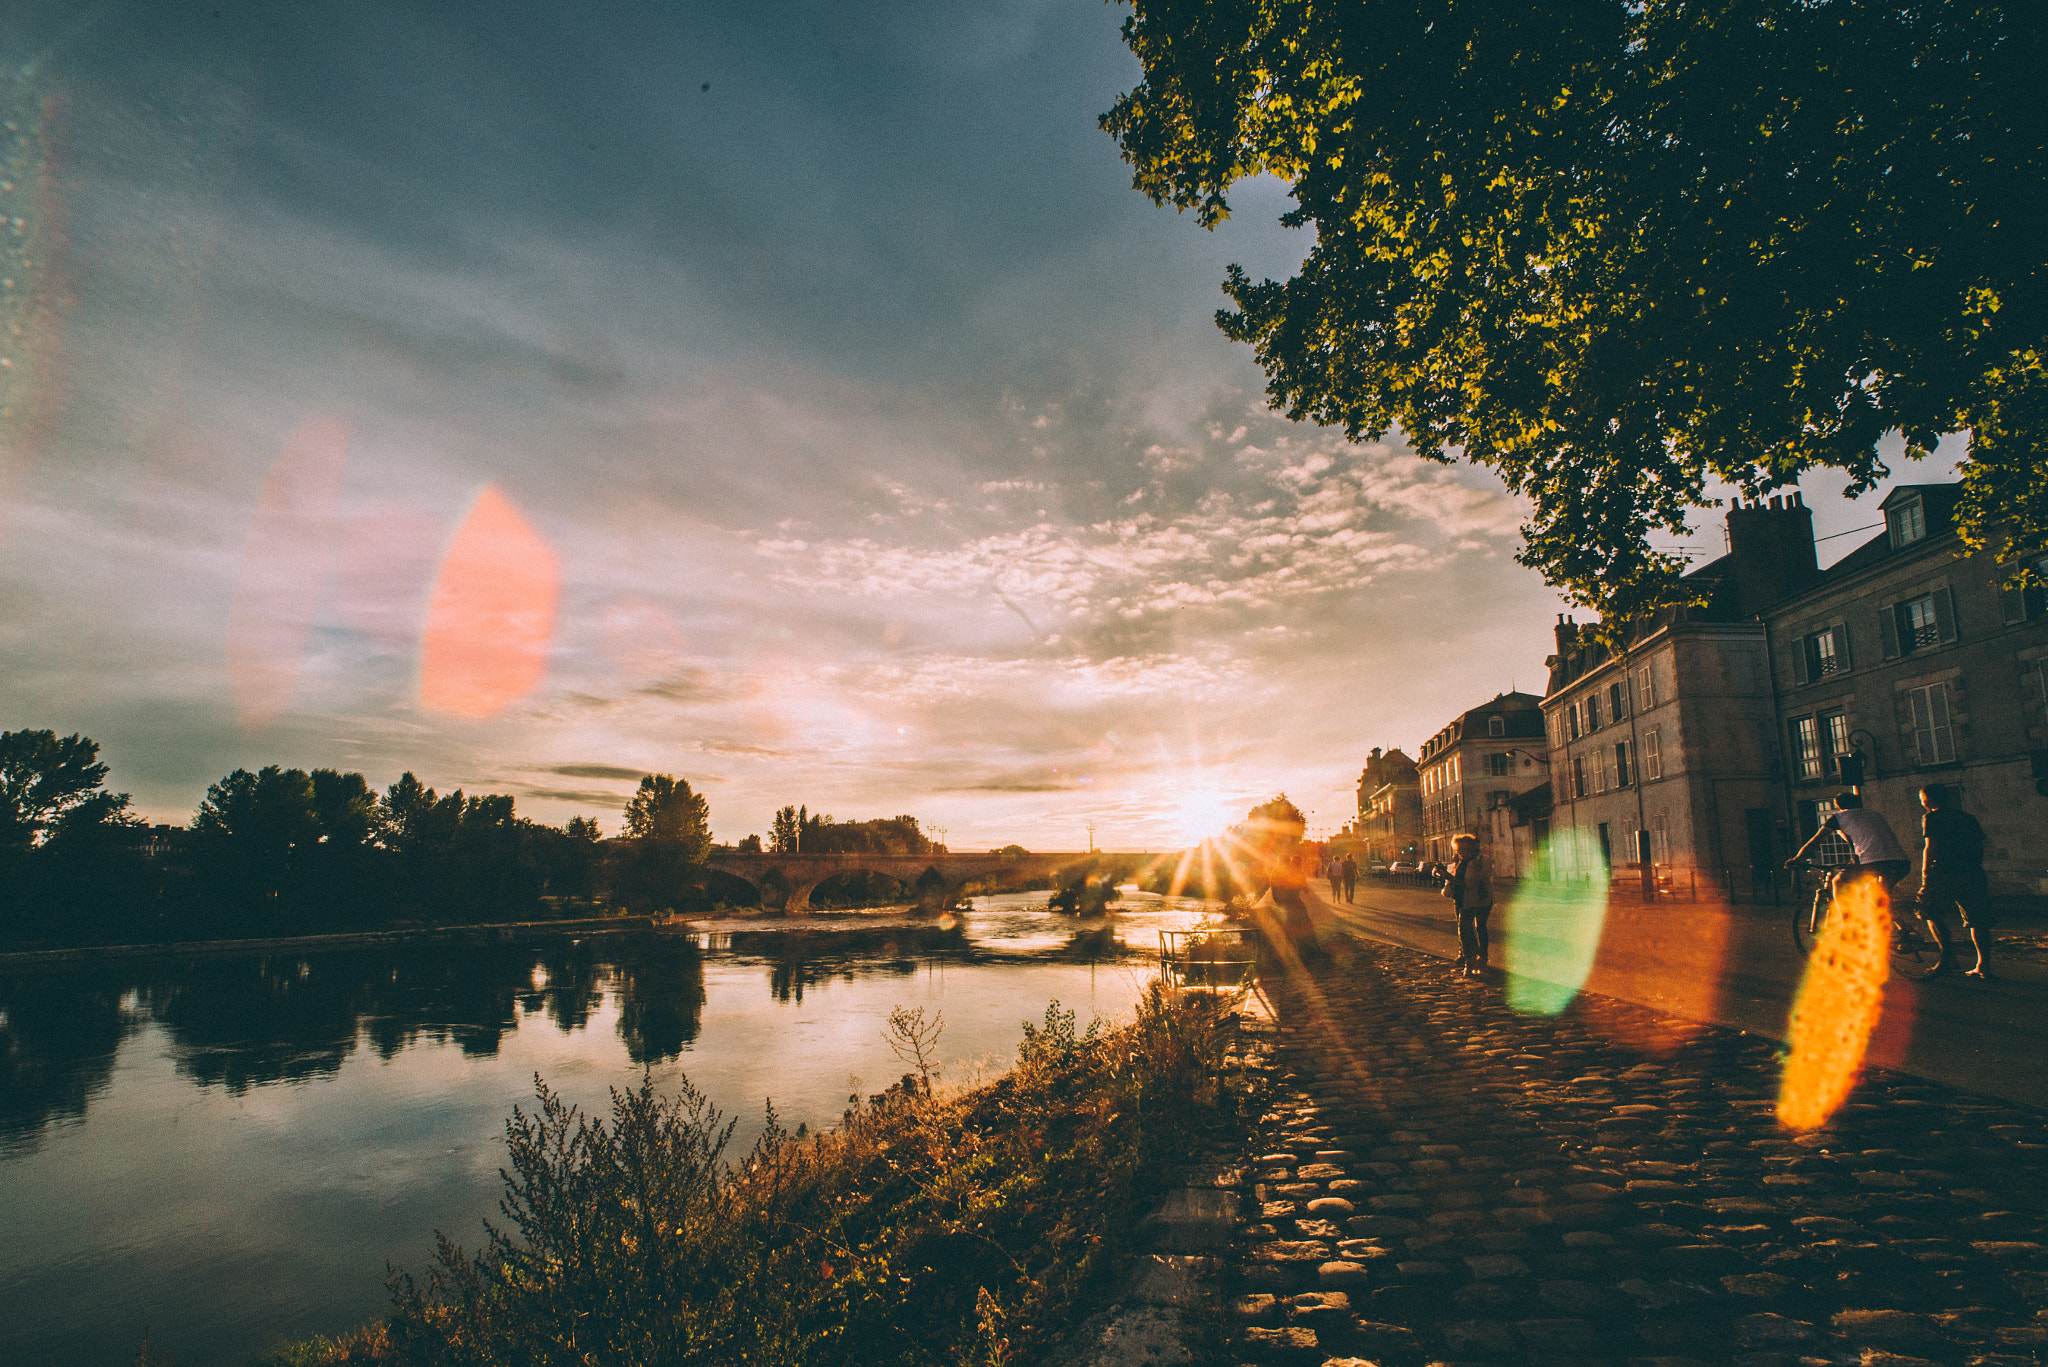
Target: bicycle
[{"x": 1919, "y": 947}]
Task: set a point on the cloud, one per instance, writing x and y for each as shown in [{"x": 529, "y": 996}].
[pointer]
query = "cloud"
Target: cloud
[{"x": 595, "y": 771}]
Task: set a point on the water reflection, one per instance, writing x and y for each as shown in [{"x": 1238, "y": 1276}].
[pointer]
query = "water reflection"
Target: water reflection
[
  {"x": 58, "y": 1035},
  {"x": 242, "y": 1023}
]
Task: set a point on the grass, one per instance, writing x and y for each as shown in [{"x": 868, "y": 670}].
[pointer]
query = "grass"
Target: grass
[{"x": 968, "y": 1229}]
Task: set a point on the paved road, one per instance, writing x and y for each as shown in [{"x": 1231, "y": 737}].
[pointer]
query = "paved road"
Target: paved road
[
  {"x": 1737, "y": 967},
  {"x": 1439, "y": 1178}
]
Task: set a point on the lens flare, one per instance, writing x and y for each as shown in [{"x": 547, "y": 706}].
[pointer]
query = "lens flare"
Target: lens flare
[
  {"x": 1839, "y": 1003},
  {"x": 492, "y": 615},
  {"x": 1552, "y": 935},
  {"x": 285, "y": 569}
]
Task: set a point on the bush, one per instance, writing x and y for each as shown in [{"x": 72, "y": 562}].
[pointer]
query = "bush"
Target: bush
[{"x": 923, "y": 1230}]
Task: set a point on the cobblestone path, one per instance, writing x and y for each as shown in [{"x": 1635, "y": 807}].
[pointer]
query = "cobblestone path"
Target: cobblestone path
[{"x": 1439, "y": 1179}]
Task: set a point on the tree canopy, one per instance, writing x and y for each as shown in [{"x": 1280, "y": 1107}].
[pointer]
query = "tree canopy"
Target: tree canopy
[
  {"x": 666, "y": 811},
  {"x": 51, "y": 784},
  {"x": 1614, "y": 248}
]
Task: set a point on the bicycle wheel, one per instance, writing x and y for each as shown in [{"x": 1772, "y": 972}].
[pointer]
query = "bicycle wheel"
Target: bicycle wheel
[
  {"x": 1919, "y": 949},
  {"x": 1809, "y": 921}
]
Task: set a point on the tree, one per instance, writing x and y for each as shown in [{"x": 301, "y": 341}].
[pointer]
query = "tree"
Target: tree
[
  {"x": 251, "y": 834},
  {"x": 665, "y": 811},
  {"x": 784, "y": 831},
  {"x": 1612, "y": 248},
  {"x": 51, "y": 784}
]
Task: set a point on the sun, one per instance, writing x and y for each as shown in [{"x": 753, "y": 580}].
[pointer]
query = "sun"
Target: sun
[{"x": 1199, "y": 815}]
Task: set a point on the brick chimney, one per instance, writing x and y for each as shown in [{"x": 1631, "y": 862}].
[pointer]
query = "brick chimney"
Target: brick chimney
[
  {"x": 1772, "y": 548},
  {"x": 1567, "y": 636}
]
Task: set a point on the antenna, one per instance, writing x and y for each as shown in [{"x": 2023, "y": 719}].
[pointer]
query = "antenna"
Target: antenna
[{"x": 1091, "y": 837}]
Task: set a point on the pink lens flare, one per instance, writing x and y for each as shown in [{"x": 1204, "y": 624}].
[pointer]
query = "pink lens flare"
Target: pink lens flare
[{"x": 492, "y": 614}]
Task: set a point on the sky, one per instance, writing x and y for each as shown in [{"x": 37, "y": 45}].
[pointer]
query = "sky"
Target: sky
[{"x": 796, "y": 399}]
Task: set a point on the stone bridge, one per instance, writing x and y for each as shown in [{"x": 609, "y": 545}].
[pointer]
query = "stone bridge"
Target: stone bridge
[{"x": 796, "y": 874}]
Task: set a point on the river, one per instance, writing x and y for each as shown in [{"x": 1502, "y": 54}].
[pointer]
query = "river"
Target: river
[{"x": 227, "y": 1150}]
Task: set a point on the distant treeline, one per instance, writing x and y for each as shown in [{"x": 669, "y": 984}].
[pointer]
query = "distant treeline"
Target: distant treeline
[
  {"x": 283, "y": 851},
  {"x": 796, "y": 831}
]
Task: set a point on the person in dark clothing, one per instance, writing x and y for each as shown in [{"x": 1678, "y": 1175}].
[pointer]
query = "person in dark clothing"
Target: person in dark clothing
[
  {"x": 1350, "y": 878},
  {"x": 1336, "y": 872},
  {"x": 1952, "y": 866},
  {"x": 1470, "y": 884}
]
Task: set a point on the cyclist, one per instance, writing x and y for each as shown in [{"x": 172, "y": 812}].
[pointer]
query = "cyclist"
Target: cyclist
[
  {"x": 1878, "y": 850},
  {"x": 1952, "y": 866}
]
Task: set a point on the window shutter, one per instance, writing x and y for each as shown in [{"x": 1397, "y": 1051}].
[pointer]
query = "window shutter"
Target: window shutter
[
  {"x": 1888, "y": 628},
  {"x": 1799, "y": 670},
  {"x": 2012, "y": 606},
  {"x": 1944, "y": 615},
  {"x": 1944, "y": 735},
  {"x": 1842, "y": 665}
]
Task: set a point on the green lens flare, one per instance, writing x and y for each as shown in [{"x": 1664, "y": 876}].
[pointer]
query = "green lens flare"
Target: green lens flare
[{"x": 1553, "y": 926}]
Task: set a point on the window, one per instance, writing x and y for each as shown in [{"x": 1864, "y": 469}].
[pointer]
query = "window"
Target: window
[
  {"x": 1834, "y": 727},
  {"x": 1806, "y": 747},
  {"x": 1660, "y": 839},
  {"x": 2030, "y": 600},
  {"x": 1496, "y": 726},
  {"x": 1499, "y": 766},
  {"x": 1571, "y": 713},
  {"x": 1646, "y": 689},
  {"x": 1924, "y": 620},
  {"x": 1617, "y": 700},
  {"x": 1653, "y": 754},
  {"x": 1907, "y": 522},
  {"x": 1917, "y": 626},
  {"x": 1934, "y": 738},
  {"x": 1600, "y": 769},
  {"x": 1455, "y": 766},
  {"x": 1592, "y": 706},
  {"x": 1578, "y": 776},
  {"x": 1621, "y": 764},
  {"x": 1821, "y": 655}
]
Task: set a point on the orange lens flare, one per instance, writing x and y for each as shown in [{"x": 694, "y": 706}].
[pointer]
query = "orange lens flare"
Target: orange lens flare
[
  {"x": 1838, "y": 1006},
  {"x": 285, "y": 569},
  {"x": 492, "y": 615}
]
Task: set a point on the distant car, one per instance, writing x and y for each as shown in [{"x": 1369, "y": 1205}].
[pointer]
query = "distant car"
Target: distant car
[
  {"x": 1377, "y": 866},
  {"x": 1404, "y": 866}
]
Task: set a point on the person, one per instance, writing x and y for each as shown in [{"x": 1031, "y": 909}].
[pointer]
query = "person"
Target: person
[
  {"x": 1335, "y": 871},
  {"x": 1870, "y": 836},
  {"x": 1470, "y": 883},
  {"x": 1952, "y": 866},
  {"x": 1350, "y": 877}
]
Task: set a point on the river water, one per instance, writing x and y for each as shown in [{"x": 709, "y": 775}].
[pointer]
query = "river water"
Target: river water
[{"x": 228, "y": 1150}]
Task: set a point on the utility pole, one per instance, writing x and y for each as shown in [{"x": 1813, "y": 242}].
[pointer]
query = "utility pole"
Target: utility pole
[{"x": 1091, "y": 837}]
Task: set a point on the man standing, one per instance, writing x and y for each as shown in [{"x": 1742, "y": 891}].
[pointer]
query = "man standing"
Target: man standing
[
  {"x": 1470, "y": 886},
  {"x": 1350, "y": 877},
  {"x": 1952, "y": 866}
]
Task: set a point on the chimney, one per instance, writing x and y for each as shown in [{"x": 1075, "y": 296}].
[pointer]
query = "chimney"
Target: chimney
[
  {"x": 1773, "y": 551},
  {"x": 1567, "y": 635},
  {"x": 1375, "y": 754}
]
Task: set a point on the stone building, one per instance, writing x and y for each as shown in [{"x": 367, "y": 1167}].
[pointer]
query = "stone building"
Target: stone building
[
  {"x": 1909, "y": 655},
  {"x": 1389, "y": 823},
  {"x": 1668, "y": 750},
  {"x": 1473, "y": 768}
]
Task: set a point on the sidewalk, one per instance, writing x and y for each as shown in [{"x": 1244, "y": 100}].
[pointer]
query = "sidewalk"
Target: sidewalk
[{"x": 1439, "y": 1179}]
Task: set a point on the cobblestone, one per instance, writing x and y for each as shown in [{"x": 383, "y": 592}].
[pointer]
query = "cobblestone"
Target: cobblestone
[{"x": 1436, "y": 1179}]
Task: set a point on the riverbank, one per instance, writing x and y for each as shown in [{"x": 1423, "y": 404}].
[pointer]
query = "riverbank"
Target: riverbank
[{"x": 978, "y": 1227}]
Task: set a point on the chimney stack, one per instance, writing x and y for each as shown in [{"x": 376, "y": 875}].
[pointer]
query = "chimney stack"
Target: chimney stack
[
  {"x": 1567, "y": 635},
  {"x": 1772, "y": 548}
]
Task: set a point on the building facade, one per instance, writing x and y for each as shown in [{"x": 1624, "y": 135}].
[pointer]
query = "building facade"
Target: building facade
[
  {"x": 1389, "y": 823},
  {"x": 1666, "y": 751},
  {"x": 1910, "y": 656},
  {"x": 1473, "y": 769}
]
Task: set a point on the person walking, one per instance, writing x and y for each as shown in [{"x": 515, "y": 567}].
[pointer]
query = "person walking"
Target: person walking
[
  {"x": 1470, "y": 885},
  {"x": 1335, "y": 872},
  {"x": 1350, "y": 877},
  {"x": 1952, "y": 866}
]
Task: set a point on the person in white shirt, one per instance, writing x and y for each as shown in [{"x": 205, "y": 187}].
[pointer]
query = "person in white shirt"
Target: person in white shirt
[{"x": 1877, "y": 848}]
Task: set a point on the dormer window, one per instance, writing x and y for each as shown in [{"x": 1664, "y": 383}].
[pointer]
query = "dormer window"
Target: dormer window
[
  {"x": 1496, "y": 726},
  {"x": 1908, "y": 523}
]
